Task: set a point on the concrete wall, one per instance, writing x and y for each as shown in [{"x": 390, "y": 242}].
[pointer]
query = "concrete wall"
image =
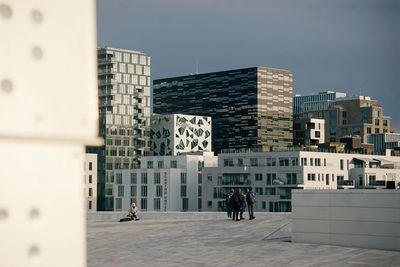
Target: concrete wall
[{"x": 357, "y": 218}]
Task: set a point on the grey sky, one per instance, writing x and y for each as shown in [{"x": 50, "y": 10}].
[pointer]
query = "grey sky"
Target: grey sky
[{"x": 342, "y": 45}]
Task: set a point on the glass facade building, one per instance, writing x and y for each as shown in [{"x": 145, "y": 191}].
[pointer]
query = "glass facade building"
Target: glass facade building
[
  {"x": 315, "y": 102},
  {"x": 124, "y": 115},
  {"x": 250, "y": 108}
]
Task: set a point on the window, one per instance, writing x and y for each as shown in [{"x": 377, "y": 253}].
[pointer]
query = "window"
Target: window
[
  {"x": 90, "y": 205},
  {"x": 295, "y": 161},
  {"x": 340, "y": 180},
  {"x": 144, "y": 178},
  {"x": 283, "y": 161},
  {"x": 259, "y": 191},
  {"x": 372, "y": 180},
  {"x": 311, "y": 161},
  {"x": 118, "y": 203},
  {"x": 143, "y": 203},
  {"x": 304, "y": 161},
  {"x": 240, "y": 162},
  {"x": 183, "y": 190},
  {"x": 157, "y": 178},
  {"x": 133, "y": 178},
  {"x": 264, "y": 205},
  {"x": 160, "y": 164},
  {"x": 118, "y": 178},
  {"x": 291, "y": 178},
  {"x": 120, "y": 190},
  {"x": 270, "y": 178},
  {"x": 185, "y": 203},
  {"x": 149, "y": 164},
  {"x": 90, "y": 192},
  {"x": 259, "y": 176},
  {"x": 324, "y": 162},
  {"x": 183, "y": 178},
  {"x": 317, "y": 162},
  {"x": 253, "y": 162},
  {"x": 271, "y": 162},
  {"x": 133, "y": 190},
  {"x": 159, "y": 190},
  {"x": 209, "y": 178},
  {"x": 90, "y": 179},
  {"x": 199, "y": 192},
  {"x": 157, "y": 204},
  {"x": 228, "y": 162},
  {"x": 209, "y": 204},
  {"x": 341, "y": 164},
  {"x": 173, "y": 164},
  {"x": 144, "y": 191},
  {"x": 317, "y": 134},
  {"x": 90, "y": 166}
]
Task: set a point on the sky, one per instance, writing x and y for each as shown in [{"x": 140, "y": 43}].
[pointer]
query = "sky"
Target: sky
[{"x": 349, "y": 46}]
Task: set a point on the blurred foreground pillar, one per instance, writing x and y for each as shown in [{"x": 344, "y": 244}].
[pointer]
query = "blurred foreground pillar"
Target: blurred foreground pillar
[{"x": 48, "y": 114}]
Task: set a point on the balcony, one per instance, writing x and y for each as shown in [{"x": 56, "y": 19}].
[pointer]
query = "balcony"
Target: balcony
[
  {"x": 107, "y": 82},
  {"x": 106, "y": 60}
]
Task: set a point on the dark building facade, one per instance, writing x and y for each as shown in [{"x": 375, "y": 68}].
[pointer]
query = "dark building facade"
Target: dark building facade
[{"x": 250, "y": 108}]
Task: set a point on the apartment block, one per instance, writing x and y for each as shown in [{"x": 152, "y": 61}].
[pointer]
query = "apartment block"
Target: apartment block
[
  {"x": 124, "y": 115},
  {"x": 164, "y": 183},
  {"x": 90, "y": 181},
  {"x": 174, "y": 134},
  {"x": 308, "y": 132},
  {"x": 250, "y": 108},
  {"x": 273, "y": 175},
  {"x": 359, "y": 115}
]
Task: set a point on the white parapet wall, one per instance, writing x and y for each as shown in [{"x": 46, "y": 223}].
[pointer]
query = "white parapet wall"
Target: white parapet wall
[{"x": 355, "y": 218}]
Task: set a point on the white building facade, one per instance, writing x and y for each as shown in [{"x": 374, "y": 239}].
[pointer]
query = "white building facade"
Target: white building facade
[
  {"x": 172, "y": 134},
  {"x": 164, "y": 183},
  {"x": 273, "y": 175},
  {"x": 90, "y": 180},
  {"x": 308, "y": 132}
]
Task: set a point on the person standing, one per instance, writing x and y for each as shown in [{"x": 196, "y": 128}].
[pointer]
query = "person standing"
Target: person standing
[
  {"x": 251, "y": 200},
  {"x": 242, "y": 205},
  {"x": 236, "y": 205},
  {"x": 228, "y": 202}
]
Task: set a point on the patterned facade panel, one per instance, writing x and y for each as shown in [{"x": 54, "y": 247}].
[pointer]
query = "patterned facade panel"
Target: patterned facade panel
[{"x": 178, "y": 133}]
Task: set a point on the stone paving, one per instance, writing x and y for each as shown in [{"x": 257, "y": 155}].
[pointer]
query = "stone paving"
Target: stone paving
[{"x": 210, "y": 239}]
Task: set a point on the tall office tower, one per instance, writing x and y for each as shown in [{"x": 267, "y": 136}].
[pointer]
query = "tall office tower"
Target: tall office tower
[
  {"x": 124, "y": 115},
  {"x": 314, "y": 102},
  {"x": 358, "y": 115},
  {"x": 250, "y": 108}
]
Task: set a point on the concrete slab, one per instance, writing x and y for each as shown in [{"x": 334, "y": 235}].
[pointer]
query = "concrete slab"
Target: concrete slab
[{"x": 210, "y": 239}]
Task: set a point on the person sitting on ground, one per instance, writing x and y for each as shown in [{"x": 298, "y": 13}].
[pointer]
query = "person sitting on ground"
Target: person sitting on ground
[{"x": 133, "y": 211}]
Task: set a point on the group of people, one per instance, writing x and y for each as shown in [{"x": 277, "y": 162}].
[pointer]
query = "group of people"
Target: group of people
[{"x": 236, "y": 203}]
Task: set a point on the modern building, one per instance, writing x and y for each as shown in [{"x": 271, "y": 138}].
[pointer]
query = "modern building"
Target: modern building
[
  {"x": 315, "y": 102},
  {"x": 308, "y": 131},
  {"x": 249, "y": 107},
  {"x": 90, "y": 181},
  {"x": 383, "y": 141},
  {"x": 273, "y": 175},
  {"x": 359, "y": 115},
  {"x": 124, "y": 115},
  {"x": 164, "y": 183},
  {"x": 174, "y": 134}
]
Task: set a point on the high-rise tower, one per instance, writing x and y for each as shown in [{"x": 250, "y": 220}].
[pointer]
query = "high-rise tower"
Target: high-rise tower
[{"x": 124, "y": 115}]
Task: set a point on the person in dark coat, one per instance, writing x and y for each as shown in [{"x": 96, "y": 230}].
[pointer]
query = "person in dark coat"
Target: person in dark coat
[
  {"x": 251, "y": 200},
  {"x": 236, "y": 205}
]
